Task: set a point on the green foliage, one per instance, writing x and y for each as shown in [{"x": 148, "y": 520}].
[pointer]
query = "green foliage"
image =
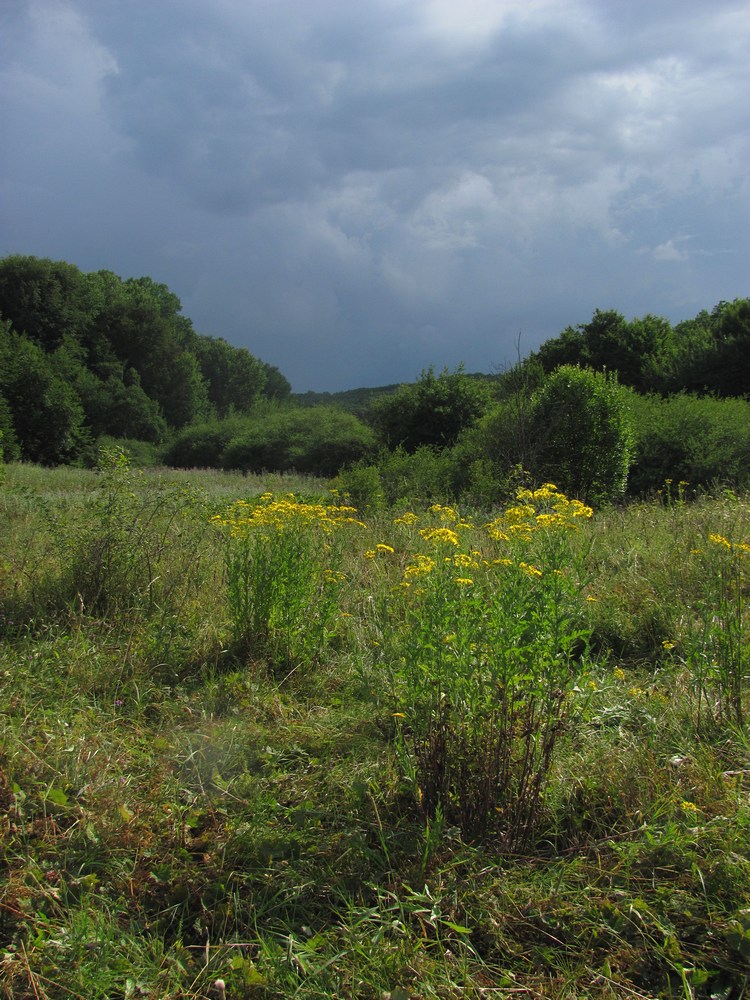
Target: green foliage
[
  {"x": 716, "y": 641},
  {"x": 236, "y": 380},
  {"x": 399, "y": 476},
  {"x": 283, "y": 579},
  {"x": 581, "y": 428},
  {"x": 316, "y": 440},
  {"x": 174, "y": 814},
  {"x": 711, "y": 352},
  {"x": 276, "y": 385},
  {"x": 201, "y": 445},
  {"x": 48, "y": 420},
  {"x": 700, "y": 440},
  {"x": 707, "y": 354},
  {"x": 113, "y": 559},
  {"x": 129, "y": 357},
  {"x": 357, "y": 401},
  {"x": 140, "y": 453},
  {"x": 47, "y": 300},
  {"x": 479, "y": 644},
  {"x": 10, "y": 450},
  {"x": 610, "y": 343},
  {"x": 432, "y": 412}
]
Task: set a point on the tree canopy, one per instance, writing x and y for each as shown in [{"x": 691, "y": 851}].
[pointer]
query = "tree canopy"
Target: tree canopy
[
  {"x": 431, "y": 412},
  {"x": 88, "y": 354}
]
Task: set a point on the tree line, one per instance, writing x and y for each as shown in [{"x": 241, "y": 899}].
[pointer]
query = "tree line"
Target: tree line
[
  {"x": 608, "y": 408},
  {"x": 88, "y": 355}
]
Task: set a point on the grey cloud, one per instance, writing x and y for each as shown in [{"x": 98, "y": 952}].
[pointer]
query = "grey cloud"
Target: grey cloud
[{"x": 355, "y": 191}]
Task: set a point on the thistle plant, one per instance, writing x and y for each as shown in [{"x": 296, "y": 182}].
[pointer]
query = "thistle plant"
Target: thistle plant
[
  {"x": 282, "y": 557},
  {"x": 481, "y": 647}
]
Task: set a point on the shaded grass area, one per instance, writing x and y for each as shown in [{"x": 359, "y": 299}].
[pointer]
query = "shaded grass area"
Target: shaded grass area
[{"x": 179, "y": 817}]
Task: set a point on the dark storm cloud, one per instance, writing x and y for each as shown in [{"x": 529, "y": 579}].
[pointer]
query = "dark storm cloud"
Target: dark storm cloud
[{"x": 355, "y": 191}]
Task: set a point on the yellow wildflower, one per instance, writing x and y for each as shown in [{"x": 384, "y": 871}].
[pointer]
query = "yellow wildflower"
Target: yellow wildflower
[
  {"x": 381, "y": 547},
  {"x": 447, "y": 514},
  {"x": 463, "y": 560},
  {"x": 689, "y": 807},
  {"x": 464, "y": 581},
  {"x": 407, "y": 518},
  {"x": 529, "y": 569},
  {"x": 720, "y": 540},
  {"x": 422, "y": 564},
  {"x": 446, "y": 535}
]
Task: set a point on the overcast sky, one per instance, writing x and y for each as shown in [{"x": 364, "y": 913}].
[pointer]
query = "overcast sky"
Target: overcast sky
[{"x": 357, "y": 189}]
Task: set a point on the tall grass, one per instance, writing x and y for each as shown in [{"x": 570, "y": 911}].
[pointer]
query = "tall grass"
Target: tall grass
[{"x": 251, "y": 748}]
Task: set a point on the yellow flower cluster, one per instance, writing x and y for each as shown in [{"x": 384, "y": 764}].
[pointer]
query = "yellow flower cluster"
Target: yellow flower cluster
[
  {"x": 530, "y": 570},
  {"x": 445, "y": 535},
  {"x": 537, "y": 510},
  {"x": 278, "y": 514},
  {"x": 446, "y": 514},
  {"x": 381, "y": 547},
  {"x": 422, "y": 564},
  {"x": 465, "y": 560},
  {"x": 407, "y": 519},
  {"x": 725, "y": 543}
]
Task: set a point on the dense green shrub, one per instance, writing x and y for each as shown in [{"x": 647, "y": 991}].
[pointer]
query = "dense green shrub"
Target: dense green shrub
[
  {"x": 582, "y": 432},
  {"x": 139, "y": 454},
  {"x": 200, "y": 446},
  {"x": 433, "y": 411},
  {"x": 400, "y": 476},
  {"x": 8, "y": 443},
  {"x": 317, "y": 440},
  {"x": 48, "y": 419},
  {"x": 701, "y": 440}
]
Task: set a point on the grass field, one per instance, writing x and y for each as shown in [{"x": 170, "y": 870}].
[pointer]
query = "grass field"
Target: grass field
[{"x": 257, "y": 744}]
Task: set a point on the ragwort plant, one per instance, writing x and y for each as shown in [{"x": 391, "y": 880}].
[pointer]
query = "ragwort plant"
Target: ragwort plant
[
  {"x": 482, "y": 642},
  {"x": 282, "y": 557},
  {"x": 717, "y": 636}
]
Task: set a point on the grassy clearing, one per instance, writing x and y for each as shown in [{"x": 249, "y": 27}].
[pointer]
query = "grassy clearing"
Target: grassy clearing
[{"x": 269, "y": 751}]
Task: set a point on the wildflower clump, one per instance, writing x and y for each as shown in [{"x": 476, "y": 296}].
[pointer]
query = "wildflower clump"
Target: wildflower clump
[
  {"x": 282, "y": 558},
  {"x": 269, "y": 514},
  {"x": 544, "y": 509},
  {"x": 480, "y": 648},
  {"x": 717, "y": 642}
]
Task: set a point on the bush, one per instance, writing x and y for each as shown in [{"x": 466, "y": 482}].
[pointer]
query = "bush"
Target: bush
[
  {"x": 201, "y": 446},
  {"x": 48, "y": 419},
  {"x": 317, "y": 440},
  {"x": 140, "y": 454},
  {"x": 9, "y": 450},
  {"x": 701, "y": 440},
  {"x": 432, "y": 412},
  {"x": 399, "y": 476},
  {"x": 582, "y": 433}
]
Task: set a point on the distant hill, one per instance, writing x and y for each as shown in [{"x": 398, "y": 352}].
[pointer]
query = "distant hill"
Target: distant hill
[{"x": 358, "y": 401}]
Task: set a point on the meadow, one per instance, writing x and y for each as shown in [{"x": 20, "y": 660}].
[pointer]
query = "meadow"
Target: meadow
[{"x": 258, "y": 743}]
